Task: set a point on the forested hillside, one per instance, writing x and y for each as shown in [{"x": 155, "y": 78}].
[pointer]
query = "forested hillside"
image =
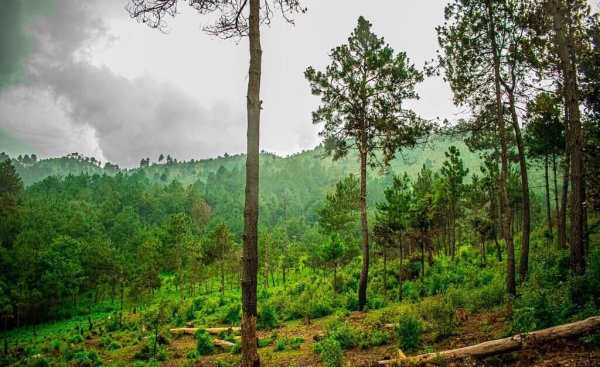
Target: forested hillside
[{"x": 398, "y": 240}]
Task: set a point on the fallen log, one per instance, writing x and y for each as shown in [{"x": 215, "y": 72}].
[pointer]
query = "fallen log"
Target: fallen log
[
  {"x": 219, "y": 330},
  {"x": 222, "y": 343},
  {"x": 212, "y": 331},
  {"x": 500, "y": 346},
  {"x": 183, "y": 331}
]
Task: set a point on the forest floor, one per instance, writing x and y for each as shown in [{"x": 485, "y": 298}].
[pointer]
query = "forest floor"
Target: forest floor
[{"x": 478, "y": 328}]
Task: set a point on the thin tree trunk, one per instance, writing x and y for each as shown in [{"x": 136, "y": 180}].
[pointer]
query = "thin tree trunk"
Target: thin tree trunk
[
  {"x": 334, "y": 280},
  {"x": 556, "y": 205},
  {"x": 250, "y": 356},
  {"x": 493, "y": 210},
  {"x": 422, "y": 254},
  {"x": 384, "y": 275},
  {"x": 548, "y": 208},
  {"x": 510, "y": 262},
  {"x": 401, "y": 268},
  {"x": 453, "y": 232},
  {"x": 362, "y": 287}
]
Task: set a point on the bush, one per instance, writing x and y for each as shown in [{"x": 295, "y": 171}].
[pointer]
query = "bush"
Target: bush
[
  {"x": 193, "y": 354},
  {"x": 290, "y": 344},
  {"x": 330, "y": 352},
  {"x": 375, "y": 303},
  {"x": 342, "y": 332},
  {"x": 236, "y": 348},
  {"x": 267, "y": 317},
  {"x": 231, "y": 313},
  {"x": 204, "y": 343},
  {"x": 109, "y": 344},
  {"x": 409, "y": 332},
  {"x": 441, "y": 314},
  {"x": 56, "y": 345},
  {"x": 38, "y": 361},
  {"x": 410, "y": 291},
  {"x": 150, "y": 349},
  {"x": 539, "y": 308},
  {"x": 83, "y": 358},
  {"x": 76, "y": 339}
]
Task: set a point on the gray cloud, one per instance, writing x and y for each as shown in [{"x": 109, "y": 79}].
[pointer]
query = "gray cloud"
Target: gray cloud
[{"x": 117, "y": 118}]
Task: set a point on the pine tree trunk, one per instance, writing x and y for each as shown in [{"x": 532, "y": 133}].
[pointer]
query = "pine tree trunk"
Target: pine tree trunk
[
  {"x": 562, "y": 220},
  {"x": 564, "y": 46},
  {"x": 510, "y": 261},
  {"x": 362, "y": 287},
  {"x": 548, "y": 207},
  {"x": 526, "y": 208},
  {"x": 401, "y": 268},
  {"x": 250, "y": 238},
  {"x": 556, "y": 205},
  {"x": 384, "y": 275},
  {"x": 453, "y": 232}
]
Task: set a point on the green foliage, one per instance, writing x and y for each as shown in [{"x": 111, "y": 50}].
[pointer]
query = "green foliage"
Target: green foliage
[
  {"x": 84, "y": 358},
  {"x": 341, "y": 331},
  {"x": 440, "y": 312},
  {"x": 288, "y": 344},
  {"x": 411, "y": 291},
  {"x": 39, "y": 361},
  {"x": 267, "y": 316},
  {"x": 204, "y": 343},
  {"x": 76, "y": 339},
  {"x": 409, "y": 331},
  {"x": 330, "y": 351},
  {"x": 236, "y": 348}
]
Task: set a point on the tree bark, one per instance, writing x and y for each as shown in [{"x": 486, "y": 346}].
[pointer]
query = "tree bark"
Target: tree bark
[
  {"x": 548, "y": 207},
  {"x": 250, "y": 356},
  {"x": 526, "y": 207},
  {"x": 510, "y": 252},
  {"x": 384, "y": 275},
  {"x": 565, "y": 48},
  {"x": 554, "y": 178},
  {"x": 401, "y": 268},
  {"x": 500, "y": 346},
  {"x": 364, "y": 274}
]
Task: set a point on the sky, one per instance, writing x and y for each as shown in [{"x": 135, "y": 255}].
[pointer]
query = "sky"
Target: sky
[{"x": 82, "y": 76}]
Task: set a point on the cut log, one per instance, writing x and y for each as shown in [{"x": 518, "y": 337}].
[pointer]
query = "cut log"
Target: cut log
[
  {"x": 500, "y": 346},
  {"x": 219, "y": 330},
  {"x": 210, "y": 330},
  {"x": 222, "y": 343},
  {"x": 183, "y": 331}
]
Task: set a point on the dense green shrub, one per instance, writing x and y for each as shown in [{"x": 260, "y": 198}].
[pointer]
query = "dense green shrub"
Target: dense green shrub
[
  {"x": 409, "y": 331},
  {"x": 330, "y": 352},
  {"x": 342, "y": 332},
  {"x": 440, "y": 312},
  {"x": 231, "y": 313},
  {"x": 76, "y": 339},
  {"x": 83, "y": 358},
  {"x": 151, "y": 350},
  {"x": 236, "y": 348},
  {"x": 289, "y": 344},
  {"x": 538, "y": 308},
  {"x": 204, "y": 343},
  {"x": 411, "y": 291},
  {"x": 267, "y": 316}
]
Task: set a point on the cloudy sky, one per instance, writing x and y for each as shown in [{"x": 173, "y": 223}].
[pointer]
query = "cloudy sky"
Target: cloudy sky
[{"x": 82, "y": 76}]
